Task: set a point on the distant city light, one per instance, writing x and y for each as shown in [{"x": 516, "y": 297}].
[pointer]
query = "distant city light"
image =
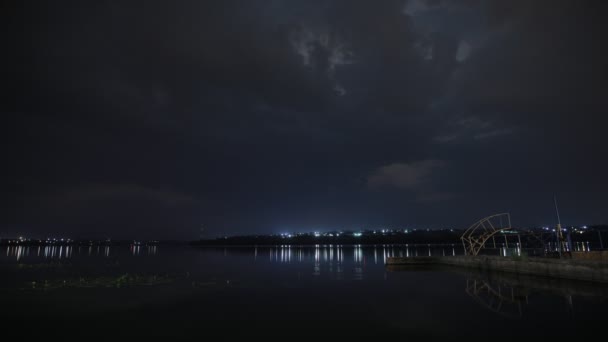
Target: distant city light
[{"x": 357, "y": 234}]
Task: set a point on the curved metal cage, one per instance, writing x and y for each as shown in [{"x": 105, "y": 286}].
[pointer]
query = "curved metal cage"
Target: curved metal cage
[{"x": 474, "y": 238}]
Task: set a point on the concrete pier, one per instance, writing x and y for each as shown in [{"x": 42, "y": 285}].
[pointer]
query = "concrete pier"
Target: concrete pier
[{"x": 596, "y": 271}]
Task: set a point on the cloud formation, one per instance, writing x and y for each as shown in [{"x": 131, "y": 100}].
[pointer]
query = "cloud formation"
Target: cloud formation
[
  {"x": 405, "y": 176},
  {"x": 276, "y": 111}
]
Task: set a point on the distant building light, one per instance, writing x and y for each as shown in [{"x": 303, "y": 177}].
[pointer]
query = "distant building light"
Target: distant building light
[{"x": 357, "y": 234}]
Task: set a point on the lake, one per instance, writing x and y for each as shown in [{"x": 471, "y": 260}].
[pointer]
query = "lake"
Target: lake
[{"x": 280, "y": 293}]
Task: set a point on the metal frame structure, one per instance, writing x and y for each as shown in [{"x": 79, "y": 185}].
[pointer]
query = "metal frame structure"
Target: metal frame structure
[{"x": 474, "y": 238}]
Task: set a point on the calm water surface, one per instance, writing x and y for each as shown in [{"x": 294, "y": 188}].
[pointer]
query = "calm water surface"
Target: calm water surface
[{"x": 281, "y": 292}]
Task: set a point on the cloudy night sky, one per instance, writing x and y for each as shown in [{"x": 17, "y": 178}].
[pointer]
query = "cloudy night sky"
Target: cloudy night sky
[{"x": 149, "y": 119}]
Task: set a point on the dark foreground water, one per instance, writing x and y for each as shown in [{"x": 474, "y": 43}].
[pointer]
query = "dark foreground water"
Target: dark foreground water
[{"x": 280, "y": 293}]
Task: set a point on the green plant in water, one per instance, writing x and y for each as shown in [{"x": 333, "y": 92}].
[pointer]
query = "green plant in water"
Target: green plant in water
[
  {"x": 122, "y": 280},
  {"x": 522, "y": 257}
]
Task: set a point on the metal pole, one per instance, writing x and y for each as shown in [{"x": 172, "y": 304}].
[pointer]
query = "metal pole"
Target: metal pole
[
  {"x": 519, "y": 238},
  {"x": 556, "y": 211},
  {"x": 599, "y": 232},
  {"x": 520, "y": 246},
  {"x": 558, "y": 229}
]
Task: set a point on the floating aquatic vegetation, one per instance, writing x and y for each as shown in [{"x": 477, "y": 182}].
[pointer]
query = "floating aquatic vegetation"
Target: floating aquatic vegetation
[{"x": 123, "y": 280}]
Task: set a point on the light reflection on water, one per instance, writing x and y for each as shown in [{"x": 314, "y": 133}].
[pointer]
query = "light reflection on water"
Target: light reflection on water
[
  {"x": 317, "y": 254},
  {"x": 296, "y": 272},
  {"x": 348, "y": 262},
  {"x": 357, "y": 254},
  {"x": 66, "y": 252}
]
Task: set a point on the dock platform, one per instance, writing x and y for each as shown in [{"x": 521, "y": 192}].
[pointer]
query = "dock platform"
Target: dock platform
[{"x": 595, "y": 271}]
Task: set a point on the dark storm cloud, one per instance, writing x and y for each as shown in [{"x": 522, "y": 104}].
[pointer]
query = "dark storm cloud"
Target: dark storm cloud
[
  {"x": 103, "y": 208},
  {"x": 96, "y": 192},
  {"x": 404, "y": 176},
  {"x": 254, "y": 116},
  {"x": 418, "y": 178}
]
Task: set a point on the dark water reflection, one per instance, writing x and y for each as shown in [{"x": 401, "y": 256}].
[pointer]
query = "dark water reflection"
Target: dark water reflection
[{"x": 281, "y": 291}]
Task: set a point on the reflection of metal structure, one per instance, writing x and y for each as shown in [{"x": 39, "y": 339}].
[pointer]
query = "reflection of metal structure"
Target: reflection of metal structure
[
  {"x": 498, "y": 298},
  {"x": 476, "y": 236}
]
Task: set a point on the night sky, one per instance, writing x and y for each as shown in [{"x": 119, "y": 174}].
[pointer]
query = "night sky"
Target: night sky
[{"x": 149, "y": 119}]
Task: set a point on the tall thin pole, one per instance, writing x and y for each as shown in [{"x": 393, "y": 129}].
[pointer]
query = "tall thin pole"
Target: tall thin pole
[
  {"x": 556, "y": 210},
  {"x": 558, "y": 230},
  {"x": 520, "y": 246},
  {"x": 599, "y": 232}
]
